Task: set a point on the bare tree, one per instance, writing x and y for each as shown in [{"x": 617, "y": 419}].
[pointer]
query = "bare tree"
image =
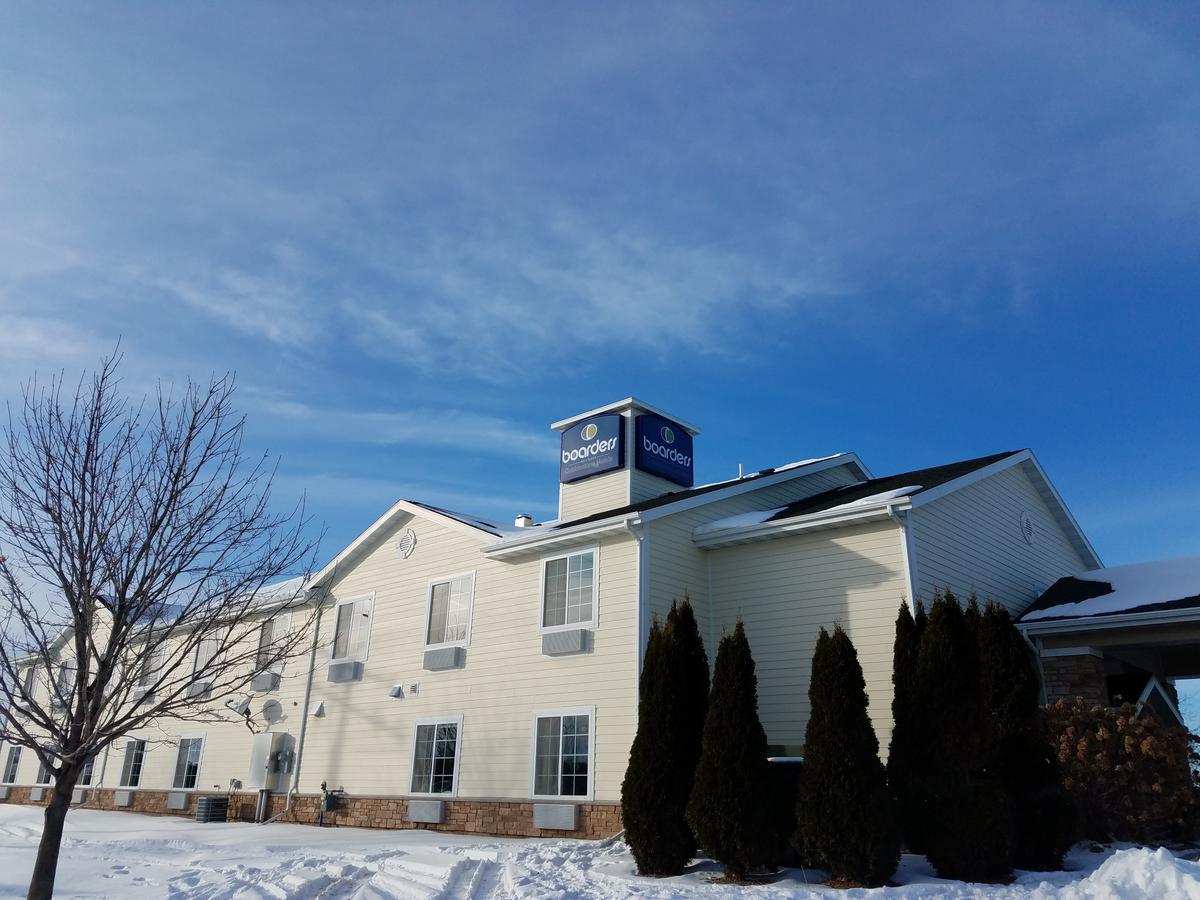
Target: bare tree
[{"x": 138, "y": 553}]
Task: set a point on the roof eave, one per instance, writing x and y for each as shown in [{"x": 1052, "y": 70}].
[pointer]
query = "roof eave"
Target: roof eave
[
  {"x": 1109, "y": 621},
  {"x": 818, "y": 521}
]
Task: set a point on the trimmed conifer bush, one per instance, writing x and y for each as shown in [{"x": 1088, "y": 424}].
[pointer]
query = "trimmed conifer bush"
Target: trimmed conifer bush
[
  {"x": 1017, "y": 749},
  {"x": 905, "y": 754},
  {"x": 673, "y": 698},
  {"x": 845, "y": 816},
  {"x": 727, "y": 809}
]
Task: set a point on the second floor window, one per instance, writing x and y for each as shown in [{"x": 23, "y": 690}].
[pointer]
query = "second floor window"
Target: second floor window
[
  {"x": 569, "y": 590},
  {"x": 131, "y": 767},
  {"x": 152, "y": 665},
  {"x": 30, "y": 680},
  {"x": 12, "y": 764},
  {"x": 271, "y": 636},
  {"x": 352, "y": 629},
  {"x": 450, "y": 610},
  {"x": 206, "y": 652}
]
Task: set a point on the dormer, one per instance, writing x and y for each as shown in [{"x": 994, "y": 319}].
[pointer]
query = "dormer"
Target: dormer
[{"x": 622, "y": 453}]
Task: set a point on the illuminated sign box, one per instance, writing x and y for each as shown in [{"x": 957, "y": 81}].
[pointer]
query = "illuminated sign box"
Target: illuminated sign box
[
  {"x": 664, "y": 449},
  {"x": 592, "y": 447}
]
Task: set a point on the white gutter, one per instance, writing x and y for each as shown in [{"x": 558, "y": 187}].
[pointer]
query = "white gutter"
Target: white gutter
[
  {"x": 1107, "y": 622},
  {"x": 312, "y": 666},
  {"x": 523, "y": 544},
  {"x": 826, "y": 519}
]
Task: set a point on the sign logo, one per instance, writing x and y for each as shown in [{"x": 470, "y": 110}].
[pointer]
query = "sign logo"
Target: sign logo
[
  {"x": 664, "y": 449},
  {"x": 598, "y": 446}
]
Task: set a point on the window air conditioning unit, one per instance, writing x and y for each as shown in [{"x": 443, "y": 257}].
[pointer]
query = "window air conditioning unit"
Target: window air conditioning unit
[
  {"x": 555, "y": 816},
  {"x": 177, "y": 800},
  {"x": 122, "y": 798},
  {"x": 444, "y": 658},
  {"x": 342, "y": 670},
  {"x": 428, "y": 812},
  {"x": 564, "y": 643},
  {"x": 37, "y": 793},
  {"x": 79, "y": 795},
  {"x": 4, "y": 789},
  {"x": 264, "y": 681}
]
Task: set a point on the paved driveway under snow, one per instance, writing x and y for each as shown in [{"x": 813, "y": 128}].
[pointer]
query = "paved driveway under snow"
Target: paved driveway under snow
[{"x": 110, "y": 854}]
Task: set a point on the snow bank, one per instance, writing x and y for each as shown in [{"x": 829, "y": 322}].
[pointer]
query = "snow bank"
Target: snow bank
[{"x": 109, "y": 854}]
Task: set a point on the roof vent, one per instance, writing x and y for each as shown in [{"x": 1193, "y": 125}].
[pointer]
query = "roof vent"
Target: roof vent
[{"x": 523, "y": 521}]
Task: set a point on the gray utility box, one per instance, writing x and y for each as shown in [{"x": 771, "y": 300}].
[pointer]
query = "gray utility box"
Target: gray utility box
[
  {"x": 562, "y": 643},
  {"x": 445, "y": 658},
  {"x": 79, "y": 795},
  {"x": 177, "y": 799},
  {"x": 429, "y": 812},
  {"x": 556, "y": 816},
  {"x": 269, "y": 761},
  {"x": 344, "y": 670},
  {"x": 122, "y": 798},
  {"x": 264, "y": 681},
  {"x": 37, "y": 793},
  {"x": 4, "y": 789}
]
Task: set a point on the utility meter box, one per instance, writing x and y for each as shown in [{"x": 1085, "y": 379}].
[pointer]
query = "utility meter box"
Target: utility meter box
[{"x": 270, "y": 756}]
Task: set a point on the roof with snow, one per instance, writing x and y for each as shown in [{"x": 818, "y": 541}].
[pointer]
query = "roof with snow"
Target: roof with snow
[
  {"x": 1140, "y": 587},
  {"x": 491, "y": 528},
  {"x": 676, "y": 496},
  {"x": 876, "y": 491}
]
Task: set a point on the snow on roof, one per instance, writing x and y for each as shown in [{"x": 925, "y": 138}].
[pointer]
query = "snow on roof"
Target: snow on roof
[
  {"x": 741, "y": 520},
  {"x": 474, "y": 521},
  {"x": 879, "y": 498},
  {"x": 1119, "y": 589}
]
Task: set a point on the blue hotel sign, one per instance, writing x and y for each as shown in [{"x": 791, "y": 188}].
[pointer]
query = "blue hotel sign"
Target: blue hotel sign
[
  {"x": 664, "y": 449},
  {"x": 592, "y": 447}
]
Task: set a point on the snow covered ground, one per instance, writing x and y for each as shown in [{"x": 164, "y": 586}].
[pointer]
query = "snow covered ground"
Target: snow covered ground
[{"x": 108, "y": 854}]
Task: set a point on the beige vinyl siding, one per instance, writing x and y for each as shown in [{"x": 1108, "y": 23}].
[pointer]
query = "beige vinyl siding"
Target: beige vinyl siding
[
  {"x": 970, "y": 542},
  {"x": 787, "y": 589},
  {"x": 364, "y": 742},
  {"x": 593, "y": 495},
  {"x": 645, "y": 486},
  {"x": 678, "y": 567}
]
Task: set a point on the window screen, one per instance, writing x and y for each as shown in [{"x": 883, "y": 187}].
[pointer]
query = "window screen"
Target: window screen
[
  {"x": 449, "y": 610},
  {"x": 568, "y": 590},
  {"x": 352, "y": 630}
]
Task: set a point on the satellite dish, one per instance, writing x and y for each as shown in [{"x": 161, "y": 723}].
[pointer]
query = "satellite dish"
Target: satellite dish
[
  {"x": 272, "y": 711},
  {"x": 407, "y": 543}
]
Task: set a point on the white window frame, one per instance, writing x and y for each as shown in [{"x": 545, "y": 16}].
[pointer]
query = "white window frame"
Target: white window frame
[
  {"x": 29, "y": 681},
  {"x": 44, "y": 775},
  {"x": 412, "y": 756},
  {"x": 179, "y": 739},
  {"x": 370, "y": 628},
  {"x": 543, "y": 628},
  {"x": 12, "y": 748},
  {"x": 466, "y": 640},
  {"x": 91, "y": 775},
  {"x": 215, "y": 643},
  {"x": 147, "y": 677},
  {"x": 590, "y": 712},
  {"x": 142, "y": 771},
  {"x": 286, "y": 619}
]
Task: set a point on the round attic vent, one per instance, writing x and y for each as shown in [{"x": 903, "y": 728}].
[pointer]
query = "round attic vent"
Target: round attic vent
[
  {"x": 407, "y": 543},
  {"x": 1026, "y": 527}
]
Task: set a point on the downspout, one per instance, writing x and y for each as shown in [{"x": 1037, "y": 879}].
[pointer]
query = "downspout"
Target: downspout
[
  {"x": 312, "y": 666},
  {"x": 642, "y": 535}
]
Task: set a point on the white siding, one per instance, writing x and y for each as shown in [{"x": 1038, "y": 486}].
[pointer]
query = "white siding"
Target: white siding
[
  {"x": 593, "y": 495},
  {"x": 970, "y": 542},
  {"x": 678, "y": 567},
  {"x": 785, "y": 590},
  {"x": 364, "y": 742}
]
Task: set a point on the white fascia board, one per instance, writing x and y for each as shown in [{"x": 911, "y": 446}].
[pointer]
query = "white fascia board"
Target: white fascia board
[
  {"x": 515, "y": 546},
  {"x": 621, "y": 405},
  {"x": 1082, "y": 544},
  {"x": 1110, "y": 622},
  {"x": 811, "y": 522},
  {"x": 400, "y": 507}
]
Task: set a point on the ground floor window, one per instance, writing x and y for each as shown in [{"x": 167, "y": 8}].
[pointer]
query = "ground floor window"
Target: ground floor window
[
  {"x": 131, "y": 768},
  {"x": 187, "y": 762},
  {"x": 43, "y": 775},
  {"x": 562, "y": 753},
  {"x": 435, "y": 756},
  {"x": 85, "y": 774},
  {"x": 12, "y": 764}
]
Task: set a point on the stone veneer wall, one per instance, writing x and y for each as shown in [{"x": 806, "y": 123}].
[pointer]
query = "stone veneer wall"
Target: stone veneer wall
[
  {"x": 510, "y": 818},
  {"x": 1068, "y": 677}
]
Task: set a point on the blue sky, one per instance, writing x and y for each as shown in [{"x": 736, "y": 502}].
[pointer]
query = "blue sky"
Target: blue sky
[{"x": 421, "y": 233}]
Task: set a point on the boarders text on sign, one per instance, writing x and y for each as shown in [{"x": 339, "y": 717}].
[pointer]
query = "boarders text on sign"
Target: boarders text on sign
[
  {"x": 591, "y": 447},
  {"x": 664, "y": 449}
]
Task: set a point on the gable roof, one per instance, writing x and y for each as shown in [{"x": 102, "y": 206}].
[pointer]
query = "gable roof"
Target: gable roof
[
  {"x": 906, "y": 484},
  {"x": 1147, "y": 587}
]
